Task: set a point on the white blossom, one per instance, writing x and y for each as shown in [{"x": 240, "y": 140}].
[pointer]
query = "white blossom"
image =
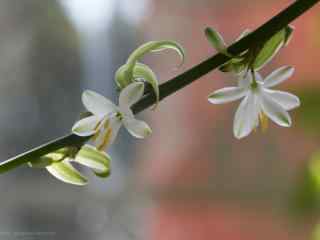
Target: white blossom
[
  {"x": 258, "y": 100},
  {"x": 107, "y": 118}
]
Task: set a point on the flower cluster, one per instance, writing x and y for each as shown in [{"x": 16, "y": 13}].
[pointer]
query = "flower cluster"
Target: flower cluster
[
  {"x": 105, "y": 118},
  {"x": 259, "y": 101},
  {"x": 59, "y": 163},
  {"x": 256, "y": 57},
  {"x": 102, "y": 127},
  {"x": 133, "y": 70}
]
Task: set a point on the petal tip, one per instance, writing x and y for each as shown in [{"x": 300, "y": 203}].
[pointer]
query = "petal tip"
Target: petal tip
[
  {"x": 298, "y": 103},
  {"x": 148, "y": 131},
  {"x": 87, "y": 92},
  {"x": 78, "y": 130},
  {"x": 239, "y": 135},
  {"x": 290, "y": 70},
  {"x": 211, "y": 99},
  {"x": 286, "y": 122}
]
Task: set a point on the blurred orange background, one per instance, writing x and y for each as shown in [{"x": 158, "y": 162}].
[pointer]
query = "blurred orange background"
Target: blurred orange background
[{"x": 191, "y": 179}]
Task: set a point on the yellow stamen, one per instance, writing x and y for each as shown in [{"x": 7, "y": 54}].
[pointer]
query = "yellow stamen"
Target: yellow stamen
[
  {"x": 264, "y": 122},
  {"x": 96, "y": 135},
  {"x": 106, "y": 139},
  {"x": 107, "y": 124}
]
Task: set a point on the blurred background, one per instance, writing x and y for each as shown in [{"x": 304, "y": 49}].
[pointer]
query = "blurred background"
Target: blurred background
[{"x": 191, "y": 179}]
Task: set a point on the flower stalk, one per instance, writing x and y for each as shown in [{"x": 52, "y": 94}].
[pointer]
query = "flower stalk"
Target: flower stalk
[{"x": 261, "y": 34}]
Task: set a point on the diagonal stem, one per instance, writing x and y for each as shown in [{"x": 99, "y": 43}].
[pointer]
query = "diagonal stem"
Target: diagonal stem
[{"x": 261, "y": 34}]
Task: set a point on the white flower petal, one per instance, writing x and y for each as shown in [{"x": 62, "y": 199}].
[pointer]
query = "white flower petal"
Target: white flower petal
[
  {"x": 109, "y": 133},
  {"x": 246, "y": 116},
  {"x": 131, "y": 94},
  {"x": 93, "y": 158},
  {"x": 279, "y": 75},
  {"x": 245, "y": 79},
  {"x": 274, "y": 111},
  {"x": 258, "y": 77},
  {"x": 97, "y": 104},
  {"x": 137, "y": 128},
  {"x": 286, "y": 100},
  {"x": 227, "y": 94},
  {"x": 115, "y": 125},
  {"x": 86, "y": 126},
  {"x": 65, "y": 172}
]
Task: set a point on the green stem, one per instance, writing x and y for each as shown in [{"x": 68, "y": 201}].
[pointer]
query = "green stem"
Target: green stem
[
  {"x": 35, "y": 153},
  {"x": 261, "y": 34}
]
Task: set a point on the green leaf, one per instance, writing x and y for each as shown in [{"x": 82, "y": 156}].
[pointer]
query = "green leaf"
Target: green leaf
[
  {"x": 41, "y": 162},
  {"x": 271, "y": 47},
  {"x": 133, "y": 70},
  {"x": 234, "y": 65},
  {"x": 288, "y": 35},
  {"x": 143, "y": 71},
  {"x": 154, "y": 46},
  {"x": 97, "y": 160},
  {"x": 237, "y": 63},
  {"x": 125, "y": 74},
  {"x": 102, "y": 174},
  {"x": 60, "y": 154},
  {"x": 65, "y": 172},
  {"x": 123, "y": 77},
  {"x": 226, "y": 67},
  {"x": 216, "y": 40},
  {"x": 49, "y": 158},
  {"x": 218, "y": 43}
]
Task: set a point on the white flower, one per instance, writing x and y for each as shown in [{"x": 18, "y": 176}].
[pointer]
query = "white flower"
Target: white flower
[
  {"x": 107, "y": 118},
  {"x": 258, "y": 100}
]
